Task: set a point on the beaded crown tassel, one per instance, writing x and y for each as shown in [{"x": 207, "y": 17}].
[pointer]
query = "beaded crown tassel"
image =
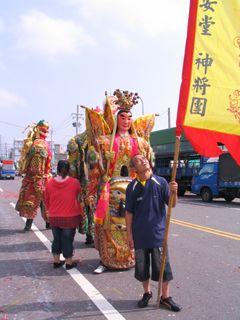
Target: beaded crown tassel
[{"x": 125, "y": 99}]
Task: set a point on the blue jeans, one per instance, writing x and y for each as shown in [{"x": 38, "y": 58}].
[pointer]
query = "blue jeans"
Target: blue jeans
[{"x": 63, "y": 241}]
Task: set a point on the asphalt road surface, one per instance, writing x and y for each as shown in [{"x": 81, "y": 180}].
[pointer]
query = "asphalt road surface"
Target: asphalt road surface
[{"x": 204, "y": 245}]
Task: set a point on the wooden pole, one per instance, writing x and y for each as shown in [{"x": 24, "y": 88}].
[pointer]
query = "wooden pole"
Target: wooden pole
[
  {"x": 164, "y": 252},
  {"x": 112, "y": 141},
  {"x": 87, "y": 118}
]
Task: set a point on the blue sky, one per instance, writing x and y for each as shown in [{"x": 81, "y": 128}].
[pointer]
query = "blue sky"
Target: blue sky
[{"x": 55, "y": 54}]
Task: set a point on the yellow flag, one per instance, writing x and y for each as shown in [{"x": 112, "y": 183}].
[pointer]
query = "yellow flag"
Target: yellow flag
[{"x": 209, "y": 103}]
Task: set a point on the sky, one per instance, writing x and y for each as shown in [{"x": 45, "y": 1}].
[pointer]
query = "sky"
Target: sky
[{"x": 56, "y": 54}]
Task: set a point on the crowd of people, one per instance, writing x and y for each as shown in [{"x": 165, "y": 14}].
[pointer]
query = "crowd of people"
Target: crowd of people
[{"x": 107, "y": 190}]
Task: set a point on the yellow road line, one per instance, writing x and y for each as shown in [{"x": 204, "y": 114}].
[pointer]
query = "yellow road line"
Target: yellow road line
[
  {"x": 207, "y": 228},
  {"x": 221, "y": 233}
]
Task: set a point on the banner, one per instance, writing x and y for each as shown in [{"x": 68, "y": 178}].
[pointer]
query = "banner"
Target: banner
[{"x": 209, "y": 102}]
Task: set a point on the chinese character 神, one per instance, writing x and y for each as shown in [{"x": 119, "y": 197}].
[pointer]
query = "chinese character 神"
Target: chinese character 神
[
  {"x": 198, "y": 106},
  {"x": 204, "y": 62},
  {"x": 206, "y": 24},
  {"x": 207, "y": 5},
  {"x": 201, "y": 84}
]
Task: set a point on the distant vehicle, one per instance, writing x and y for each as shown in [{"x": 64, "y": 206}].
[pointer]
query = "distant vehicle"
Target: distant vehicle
[
  {"x": 218, "y": 178},
  {"x": 7, "y": 169},
  {"x": 163, "y": 143}
]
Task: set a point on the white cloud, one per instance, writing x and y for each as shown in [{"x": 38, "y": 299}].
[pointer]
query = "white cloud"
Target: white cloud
[
  {"x": 148, "y": 17},
  {"x": 10, "y": 99},
  {"x": 51, "y": 37}
]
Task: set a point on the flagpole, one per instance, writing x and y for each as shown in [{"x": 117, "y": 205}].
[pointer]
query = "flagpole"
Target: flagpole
[
  {"x": 164, "y": 251},
  {"x": 111, "y": 144},
  {"x": 94, "y": 136}
]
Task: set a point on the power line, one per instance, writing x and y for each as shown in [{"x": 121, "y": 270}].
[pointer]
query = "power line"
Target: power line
[
  {"x": 12, "y": 124},
  {"x": 62, "y": 123},
  {"x": 161, "y": 114},
  {"x": 64, "y": 127}
]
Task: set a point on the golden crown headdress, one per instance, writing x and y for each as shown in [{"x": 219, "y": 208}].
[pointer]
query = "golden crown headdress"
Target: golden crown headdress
[{"x": 125, "y": 99}]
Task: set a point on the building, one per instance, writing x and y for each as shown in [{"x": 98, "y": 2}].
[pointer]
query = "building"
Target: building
[{"x": 58, "y": 154}]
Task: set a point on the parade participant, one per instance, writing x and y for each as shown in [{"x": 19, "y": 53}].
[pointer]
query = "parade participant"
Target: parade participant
[
  {"x": 77, "y": 147},
  {"x": 110, "y": 176},
  {"x": 146, "y": 197},
  {"x": 64, "y": 210},
  {"x": 35, "y": 164}
]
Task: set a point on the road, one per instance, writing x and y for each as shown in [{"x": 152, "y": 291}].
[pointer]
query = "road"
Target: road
[{"x": 204, "y": 246}]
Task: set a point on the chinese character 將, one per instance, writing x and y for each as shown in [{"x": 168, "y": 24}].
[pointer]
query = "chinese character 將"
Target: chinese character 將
[
  {"x": 207, "y": 5},
  {"x": 204, "y": 62},
  {"x": 206, "y": 24},
  {"x": 201, "y": 84},
  {"x": 198, "y": 106}
]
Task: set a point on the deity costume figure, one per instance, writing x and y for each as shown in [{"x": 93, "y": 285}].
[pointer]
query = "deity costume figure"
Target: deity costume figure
[
  {"x": 77, "y": 149},
  {"x": 112, "y": 144},
  {"x": 35, "y": 164}
]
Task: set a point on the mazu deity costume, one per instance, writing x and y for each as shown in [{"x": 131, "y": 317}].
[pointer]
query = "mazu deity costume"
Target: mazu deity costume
[
  {"x": 112, "y": 140},
  {"x": 35, "y": 164}
]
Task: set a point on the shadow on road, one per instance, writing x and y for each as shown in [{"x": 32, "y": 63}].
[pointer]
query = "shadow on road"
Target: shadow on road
[
  {"x": 22, "y": 247},
  {"x": 73, "y": 309},
  {"x": 29, "y": 267},
  {"x": 10, "y": 232}
]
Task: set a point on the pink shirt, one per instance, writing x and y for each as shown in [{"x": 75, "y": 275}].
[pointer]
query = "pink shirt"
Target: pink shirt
[{"x": 61, "y": 198}]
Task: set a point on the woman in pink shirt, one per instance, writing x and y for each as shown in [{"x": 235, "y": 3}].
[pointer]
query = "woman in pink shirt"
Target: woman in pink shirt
[{"x": 64, "y": 212}]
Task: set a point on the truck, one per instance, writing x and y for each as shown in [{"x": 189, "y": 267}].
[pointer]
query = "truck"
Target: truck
[
  {"x": 7, "y": 169},
  {"x": 218, "y": 178},
  {"x": 189, "y": 163}
]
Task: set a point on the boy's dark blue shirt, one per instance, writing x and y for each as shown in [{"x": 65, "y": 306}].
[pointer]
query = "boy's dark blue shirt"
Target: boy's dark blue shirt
[{"x": 147, "y": 204}]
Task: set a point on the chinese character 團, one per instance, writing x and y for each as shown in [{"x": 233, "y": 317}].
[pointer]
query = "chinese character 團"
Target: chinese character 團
[{"x": 198, "y": 106}]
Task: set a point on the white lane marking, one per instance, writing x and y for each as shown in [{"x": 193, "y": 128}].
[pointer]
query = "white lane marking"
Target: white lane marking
[
  {"x": 1, "y": 190},
  {"x": 97, "y": 298}
]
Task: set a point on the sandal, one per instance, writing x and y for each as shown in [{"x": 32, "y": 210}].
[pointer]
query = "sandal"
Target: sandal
[
  {"x": 71, "y": 266},
  {"x": 170, "y": 304},
  {"x": 58, "y": 264}
]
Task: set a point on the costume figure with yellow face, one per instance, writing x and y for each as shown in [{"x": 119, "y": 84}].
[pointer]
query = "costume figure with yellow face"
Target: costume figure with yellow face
[
  {"x": 108, "y": 178},
  {"x": 35, "y": 164}
]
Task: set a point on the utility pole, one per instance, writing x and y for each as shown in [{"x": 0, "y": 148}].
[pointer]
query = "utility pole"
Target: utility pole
[
  {"x": 14, "y": 148},
  {"x": 77, "y": 119},
  {"x": 6, "y": 151},
  {"x": 169, "y": 118},
  {"x": 77, "y": 116},
  {"x": 52, "y": 149}
]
